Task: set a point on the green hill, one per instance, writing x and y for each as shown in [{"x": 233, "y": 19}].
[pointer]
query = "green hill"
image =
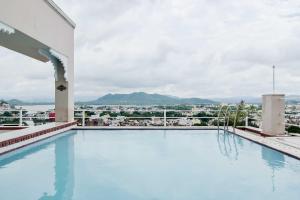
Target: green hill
[{"x": 141, "y": 98}]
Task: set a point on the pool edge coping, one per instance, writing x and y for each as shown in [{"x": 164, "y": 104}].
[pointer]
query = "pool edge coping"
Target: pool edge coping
[{"x": 268, "y": 142}]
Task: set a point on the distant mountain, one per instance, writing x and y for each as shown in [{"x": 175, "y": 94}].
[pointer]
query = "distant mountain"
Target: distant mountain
[
  {"x": 17, "y": 102},
  {"x": 142, "y": 98},
  {"x": 292, "y": 99},
  {"x": 2, "y": 102}
]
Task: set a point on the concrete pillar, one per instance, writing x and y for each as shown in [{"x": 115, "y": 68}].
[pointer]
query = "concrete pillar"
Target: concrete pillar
[
  {"x": 64, "y": 92},
  {"x": 64, "y": 83},
  {"x": 165, "y": 117},
  {"x": 64, "y": 105},
  {"x": 273, "y": 109}
]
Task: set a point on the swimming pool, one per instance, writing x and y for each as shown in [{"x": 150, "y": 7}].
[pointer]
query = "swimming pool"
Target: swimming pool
[{"x": 148, "y": 165}]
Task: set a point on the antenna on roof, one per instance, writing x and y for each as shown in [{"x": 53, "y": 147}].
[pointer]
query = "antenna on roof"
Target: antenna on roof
[{"x": 273, "y": 79}]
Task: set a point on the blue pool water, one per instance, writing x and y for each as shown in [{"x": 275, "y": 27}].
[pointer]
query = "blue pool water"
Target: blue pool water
[{"x": 148, "y": 165}]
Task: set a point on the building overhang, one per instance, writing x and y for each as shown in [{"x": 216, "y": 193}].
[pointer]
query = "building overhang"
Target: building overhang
[{"x": 17, "y": 41}]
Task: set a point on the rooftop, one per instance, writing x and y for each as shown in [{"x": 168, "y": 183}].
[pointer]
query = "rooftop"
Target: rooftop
[{"x": 61, "y": 12}]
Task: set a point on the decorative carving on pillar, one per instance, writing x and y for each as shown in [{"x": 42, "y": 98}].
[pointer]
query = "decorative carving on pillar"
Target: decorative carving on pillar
[
  {"x": 59, "y": 61},
  {"x": 6, "y": 29},
  {"x": 63, "y": 60},
  {"x": 61, "y": 88}
]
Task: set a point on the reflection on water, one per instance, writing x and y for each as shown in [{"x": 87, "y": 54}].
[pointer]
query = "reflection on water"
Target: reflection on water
[
  {"x": 64, "y": 170},
  {"x": 229, "y": 144},
  {"x": 275, "y": 160},
  {"x": 63, "y": 164}
]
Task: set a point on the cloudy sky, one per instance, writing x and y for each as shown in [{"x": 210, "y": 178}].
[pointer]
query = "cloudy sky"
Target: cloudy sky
[{"x": 190, "y": 48}]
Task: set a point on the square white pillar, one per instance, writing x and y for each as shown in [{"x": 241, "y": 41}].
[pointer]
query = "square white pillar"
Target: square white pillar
[
  {"x": 273, "y": 109},
  {"x": 64, "y": 105}
]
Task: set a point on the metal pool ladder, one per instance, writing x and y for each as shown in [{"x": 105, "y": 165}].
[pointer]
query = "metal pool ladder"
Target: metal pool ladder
[{"x": 225, "y": 110}]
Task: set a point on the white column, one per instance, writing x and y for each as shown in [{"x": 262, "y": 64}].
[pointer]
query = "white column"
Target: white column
[
  {"x": 165, "y": 117},
  {"x": 21, "y": 117},
  {"x": 83, "y": 118},
  {"x": 273, "y": 109},
  {"x": 64, "y": 83},
  {"x": 64, "y": 106}
]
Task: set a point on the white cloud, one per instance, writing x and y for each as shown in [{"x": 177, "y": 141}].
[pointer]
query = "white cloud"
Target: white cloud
[{"x": 199, "y": 48}]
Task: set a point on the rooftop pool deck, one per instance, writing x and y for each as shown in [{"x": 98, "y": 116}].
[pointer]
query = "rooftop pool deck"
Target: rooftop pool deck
[
  {"x": 12, "y": 140},
  {"x": 148, "y": 164}
]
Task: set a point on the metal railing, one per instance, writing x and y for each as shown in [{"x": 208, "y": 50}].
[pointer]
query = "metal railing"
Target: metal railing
[
  {"x": 86, "y": 117},
  {"x": 16, "y": 117},
  {"x": 221, "y": 118},
  {"x": 159, "y": 117},
  {"x": 154, "y": 117}
]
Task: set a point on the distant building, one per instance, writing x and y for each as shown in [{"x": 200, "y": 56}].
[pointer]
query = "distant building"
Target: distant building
[
  {"x": 156, "y": 121},
  {"x": 184, "y": 122},
  {"x": 196, "y": 121},
  {"x": 4, "y": 105}
]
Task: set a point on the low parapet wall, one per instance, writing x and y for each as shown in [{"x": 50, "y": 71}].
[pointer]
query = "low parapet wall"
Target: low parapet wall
[
  {"x": 12, "y": 128},
  {"x": 17, "y": 139}
]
